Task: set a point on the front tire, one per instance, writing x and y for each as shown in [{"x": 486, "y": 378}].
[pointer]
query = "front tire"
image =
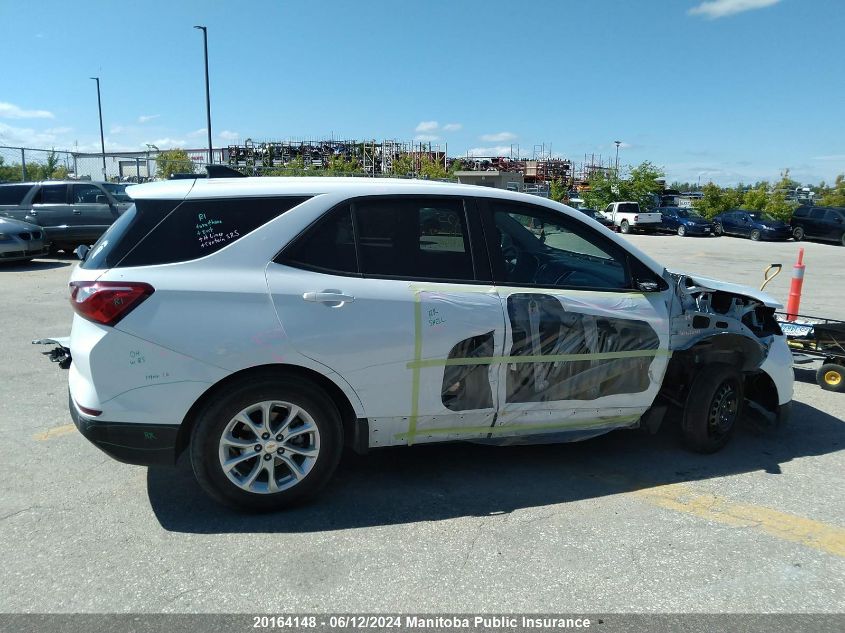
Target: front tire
[
  {"x": 713, "y": 408},
  {"x": 718, "y": 231},
  {"x": 798, "y": 234},
  {"x": 267, "y": 443},
  {"x": 831, "y": 377},
  {"x": 756, "y": 235},
  {"x": 682, "y": 231},
  {"x": 625, "y": 227}
]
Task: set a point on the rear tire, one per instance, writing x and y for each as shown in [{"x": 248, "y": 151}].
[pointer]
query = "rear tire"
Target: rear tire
[
  {"x": 756, "y": 235},
  {"x": 713, "y": 408},
  {"x": 831, "y": 377},
  {"x": 269, "y": 426},
  {"x": 798, "y": 234},
  {"x": 842, "y": 240},
  {"x": 624, "y": 227}
]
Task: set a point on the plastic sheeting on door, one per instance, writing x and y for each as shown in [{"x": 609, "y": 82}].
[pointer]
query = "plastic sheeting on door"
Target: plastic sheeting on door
[{"x": 557, "y": 348}]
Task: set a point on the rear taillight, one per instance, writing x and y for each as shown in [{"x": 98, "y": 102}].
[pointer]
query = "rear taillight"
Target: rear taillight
[
  {"x": 107, "y": 302},
  {"x": 636, "y": 218}
]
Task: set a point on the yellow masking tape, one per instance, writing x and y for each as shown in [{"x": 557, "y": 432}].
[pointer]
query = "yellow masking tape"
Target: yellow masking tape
[{"x": 537, "y": 358}]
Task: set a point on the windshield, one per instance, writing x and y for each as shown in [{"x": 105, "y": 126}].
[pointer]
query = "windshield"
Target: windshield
[
  {"x": 760, "y": 216},
  {"x": 686, "y": 213},
  {"x": 118, "y": 192}
]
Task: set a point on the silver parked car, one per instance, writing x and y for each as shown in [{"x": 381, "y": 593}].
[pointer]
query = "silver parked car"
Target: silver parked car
[{"x": 21, "y": 241}]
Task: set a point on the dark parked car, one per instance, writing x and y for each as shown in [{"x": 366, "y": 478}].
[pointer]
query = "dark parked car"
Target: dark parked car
[
  {"x": 684, "y": 222},
  {"x": 754, "y": 224},
  {"x": 598, "y": 217},
  {"x": 820, "y": 223},
  {"x": 70, "y": 212}
]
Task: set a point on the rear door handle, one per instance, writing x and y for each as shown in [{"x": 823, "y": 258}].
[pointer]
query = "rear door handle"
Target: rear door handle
[
  {"x": 328, "y": 296},
  {"x": 77, "y": 213}
]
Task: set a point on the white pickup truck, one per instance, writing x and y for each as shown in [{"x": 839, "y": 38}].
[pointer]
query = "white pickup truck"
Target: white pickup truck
[{"x": 628, "y": 217}]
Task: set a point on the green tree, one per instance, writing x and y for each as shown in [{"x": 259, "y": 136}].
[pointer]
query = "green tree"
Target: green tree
[
  {"x": 173, "y": 161},
  {"x": 339, "y": 165},
  {"x": 778, "y": 207},
  {"x": 640, "y": 186},
  {"x": 432, "y": 169},
  {"x": 456, "y": 166},
  {"x": 558, "y": 191},
  {"x": 756, "y": 199},
  {"x": 403, "y": 165},
  {"x": 834, "y": 196},
  {"x": 716, "y": 200}
]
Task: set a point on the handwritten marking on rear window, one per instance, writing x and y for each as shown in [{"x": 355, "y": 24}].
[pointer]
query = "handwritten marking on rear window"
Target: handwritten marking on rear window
[{"x": 210, "y": 233}]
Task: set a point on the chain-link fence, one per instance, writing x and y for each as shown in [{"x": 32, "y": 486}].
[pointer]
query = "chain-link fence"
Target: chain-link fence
[{"x": 18, "y": 164}]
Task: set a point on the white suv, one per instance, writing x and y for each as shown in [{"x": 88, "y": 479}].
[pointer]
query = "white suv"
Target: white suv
[{"x": 261, "y": 324}]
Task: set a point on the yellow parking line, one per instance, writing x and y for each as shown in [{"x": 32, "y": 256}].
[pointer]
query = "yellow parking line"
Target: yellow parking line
[
  {"x": 789, "y": 527},
  {"x": 56, "y": 431}
]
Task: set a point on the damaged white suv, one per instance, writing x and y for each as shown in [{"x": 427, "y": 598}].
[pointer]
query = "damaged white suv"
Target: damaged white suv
[{"x": 261, "y": 324}]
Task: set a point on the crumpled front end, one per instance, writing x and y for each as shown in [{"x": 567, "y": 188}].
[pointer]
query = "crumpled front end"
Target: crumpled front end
[{"x": 719, "y": 322}]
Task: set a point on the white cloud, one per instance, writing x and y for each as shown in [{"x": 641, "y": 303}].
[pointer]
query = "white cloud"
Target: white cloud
[
  {"x": 498, "y": 150},
  {"x": 713, "y": 9},
  {"x": 144, "y": 118},
  {"x": 11, "y": 111},
  {"x": 833, "y": 157},
  {"x": 196, "y": 133},
  {"x": 498, "y": 137},
  {"x": 58, "y": 130},
  {"x": 228, "y": 135},
  {"x": 427, "y": 126},
  {"x": 452, "y": 127},
  {"x": 166, "y": 143},
  {"x": 11, "y": 135},
  {"x": 116, "y": 129},
  {"x": 426, "y": 137}
]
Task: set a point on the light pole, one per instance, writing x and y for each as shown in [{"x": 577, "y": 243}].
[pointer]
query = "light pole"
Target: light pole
[
  {"x": 207, "y": 90},
  {"x": 618, "y": 143},
  {"x": 102, "y": 138}
]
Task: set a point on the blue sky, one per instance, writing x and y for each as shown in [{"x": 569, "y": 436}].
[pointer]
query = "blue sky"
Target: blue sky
[{"x": 722, "y": 90}]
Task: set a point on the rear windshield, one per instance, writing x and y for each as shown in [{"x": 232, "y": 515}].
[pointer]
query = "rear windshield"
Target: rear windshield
[
  {"x": 13, "y": 194},
  {"x": 629, "y": 207},
  {"x": 118, "y": 192},
  {"x": 167, "y": 231}
]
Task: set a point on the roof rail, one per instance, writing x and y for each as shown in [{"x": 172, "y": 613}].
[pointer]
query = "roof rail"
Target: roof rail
[{"x": 223, "y": 171}]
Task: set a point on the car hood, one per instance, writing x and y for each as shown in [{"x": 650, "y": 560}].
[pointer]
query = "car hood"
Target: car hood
[
  {"x": 20, "y": 225},
  {"x": 726, "y": 286}
]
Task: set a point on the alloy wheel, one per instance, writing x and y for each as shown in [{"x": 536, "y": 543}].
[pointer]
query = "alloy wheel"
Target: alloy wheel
[{"x": 269, "y": 446}]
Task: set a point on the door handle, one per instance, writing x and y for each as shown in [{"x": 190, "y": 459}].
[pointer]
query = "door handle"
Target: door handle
[
  {"x": 328, "y": 296},
  {"x": 77, "y": 212}
]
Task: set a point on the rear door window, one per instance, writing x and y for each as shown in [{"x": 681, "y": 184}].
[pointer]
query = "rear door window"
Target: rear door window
[
  {"x": 51, "y": 194},
  {"x": 13, "y": 194},
  {"x": 413, "y": 238},
  {"x": 168, "y": 231}
]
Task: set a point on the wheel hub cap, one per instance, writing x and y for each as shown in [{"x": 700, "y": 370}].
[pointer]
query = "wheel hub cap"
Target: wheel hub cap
[{"x": 269, "y": 447}]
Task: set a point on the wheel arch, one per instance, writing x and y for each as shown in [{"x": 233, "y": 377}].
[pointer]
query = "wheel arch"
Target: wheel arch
[{"x": 355, "y": 431}]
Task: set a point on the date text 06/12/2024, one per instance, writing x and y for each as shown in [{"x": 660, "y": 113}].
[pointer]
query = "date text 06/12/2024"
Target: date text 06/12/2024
[{"x": 420, "y": 622}]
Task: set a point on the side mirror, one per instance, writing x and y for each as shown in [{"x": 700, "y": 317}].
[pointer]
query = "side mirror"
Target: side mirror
[
  {"x": 81, "y": 251},
  {"x": 101, "y": 199}
]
